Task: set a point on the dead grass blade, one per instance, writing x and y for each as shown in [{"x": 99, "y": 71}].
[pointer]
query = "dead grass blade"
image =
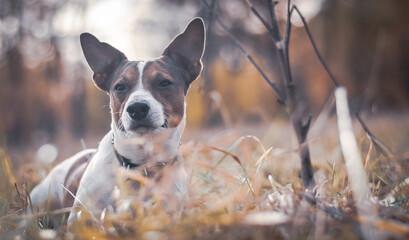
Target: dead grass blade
[{"x": 353, "y": 162}]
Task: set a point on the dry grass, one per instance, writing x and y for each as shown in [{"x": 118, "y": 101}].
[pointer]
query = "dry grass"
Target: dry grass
[{"x": 240, "y": 188}]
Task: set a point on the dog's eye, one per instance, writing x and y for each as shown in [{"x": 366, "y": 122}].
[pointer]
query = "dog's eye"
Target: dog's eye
[
  {"x": 120, "y": 88},
  {"x": 165, "y": 83}
]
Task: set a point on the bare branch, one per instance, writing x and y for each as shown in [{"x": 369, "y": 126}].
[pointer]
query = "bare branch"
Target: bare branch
[
  {"x": 205, "y": 72},
  {"x": 379, "y": 145},
  {"x": 282, "y": 50},
  {"x": 257, "y": 14},
  {"x": 274, "y": 32},
  {"x": 295, "y": 109},
  {"x": 287, "y": 40},
  {"x": 304, "y": 127},
  {"x": 301, "y": 129},
  {"x": 281, "y": 98}
]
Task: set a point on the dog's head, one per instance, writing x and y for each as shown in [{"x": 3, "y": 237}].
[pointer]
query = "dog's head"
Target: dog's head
[{"x": 147, "y": 97}]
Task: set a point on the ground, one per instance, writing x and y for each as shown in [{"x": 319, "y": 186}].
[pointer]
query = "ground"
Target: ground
[{"x": 243, "y": 184}]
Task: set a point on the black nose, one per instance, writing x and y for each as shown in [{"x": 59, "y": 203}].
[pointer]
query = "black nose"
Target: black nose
[{"x": 138, "y": 110}]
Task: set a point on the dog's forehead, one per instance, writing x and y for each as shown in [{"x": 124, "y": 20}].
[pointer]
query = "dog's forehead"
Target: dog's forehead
[
  {"x": 160, "y": 68},
  {"x": 142, "y": 73},
  {"x": 129, "y": 70}
]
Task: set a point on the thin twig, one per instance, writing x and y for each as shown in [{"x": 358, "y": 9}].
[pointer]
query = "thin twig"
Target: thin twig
[
  {"x": 281, "y": 97},
  {"x": 300, "y": 128},
  {"x": 274, "y": 33},
  {"x": 371, "y": 82},
  {"x": 287, "y": 41},
  {"x": 28, "y": 197},
  {"x": 278, "y": 42},
  {"x": 314, "y": 45},
  {"x": 12, "y": 216},
  {"x": 18, "y": 192},
  {"x": 368, "y": 155},
  {"x": 332, "y": 211},
  {"x": 260, "y": 18},
  {"x": 205, "y": 73},
  {"x": 379, "y": 145}
]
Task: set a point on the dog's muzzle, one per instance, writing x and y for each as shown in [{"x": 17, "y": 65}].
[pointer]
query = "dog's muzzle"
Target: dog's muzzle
[{"x": 143, "y": 117}]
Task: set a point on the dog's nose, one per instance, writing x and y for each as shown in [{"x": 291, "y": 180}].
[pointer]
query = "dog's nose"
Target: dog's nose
[{"x": 138, "y": 110}]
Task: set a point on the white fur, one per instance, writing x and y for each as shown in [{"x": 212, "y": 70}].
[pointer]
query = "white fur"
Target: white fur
[
  {"x": 155, "y": 115},
  {"x": 51, "y": 185},
  {"x": 99, "y": 180},
  {"x": 141, "y": 66},
  {"x": 127, "y": 143},
  {"x": 139, "y": 148}
]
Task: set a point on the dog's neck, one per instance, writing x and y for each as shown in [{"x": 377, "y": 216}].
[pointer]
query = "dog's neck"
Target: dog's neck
[{"x": 148, "y": 148}]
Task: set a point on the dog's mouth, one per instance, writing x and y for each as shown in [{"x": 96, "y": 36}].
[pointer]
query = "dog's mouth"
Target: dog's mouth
[
  {"x": 143, "y": 128},
  {"x": 165, "y": 124}
]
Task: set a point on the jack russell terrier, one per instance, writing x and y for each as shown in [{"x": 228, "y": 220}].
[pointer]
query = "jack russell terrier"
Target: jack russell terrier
[{"x": 147, "y": 100}]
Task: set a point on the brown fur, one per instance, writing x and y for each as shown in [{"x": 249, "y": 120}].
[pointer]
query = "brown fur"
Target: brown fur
[{"x": 73, "y": 178}]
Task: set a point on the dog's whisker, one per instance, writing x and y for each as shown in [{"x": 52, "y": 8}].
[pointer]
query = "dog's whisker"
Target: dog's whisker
[{"x": 121, "y": 125}]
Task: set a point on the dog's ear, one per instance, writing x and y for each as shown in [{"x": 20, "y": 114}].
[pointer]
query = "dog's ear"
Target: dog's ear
[
  {"x": 101, "y": 57},
  {"x": 187, "y": 48}
]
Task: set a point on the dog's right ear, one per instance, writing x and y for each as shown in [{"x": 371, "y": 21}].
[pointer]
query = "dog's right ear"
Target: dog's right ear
[
  {"x": 102, "y": 58},
  {"x": 187, "y": 48}
]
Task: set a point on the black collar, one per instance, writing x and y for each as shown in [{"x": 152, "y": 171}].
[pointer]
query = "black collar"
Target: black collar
[{"x": 123, "y": 161}]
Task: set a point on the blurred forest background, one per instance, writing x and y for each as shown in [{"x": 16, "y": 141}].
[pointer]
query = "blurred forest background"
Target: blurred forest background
[{"x": 47, "y": 95}]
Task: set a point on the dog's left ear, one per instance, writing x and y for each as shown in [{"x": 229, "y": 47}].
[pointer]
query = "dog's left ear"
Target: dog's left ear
[
  {"x": 187, "y": 48},
  {"x": 102, "y": 58}
]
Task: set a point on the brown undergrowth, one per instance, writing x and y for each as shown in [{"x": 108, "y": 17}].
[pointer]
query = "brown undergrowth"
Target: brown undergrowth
[{"x": 239, "y": 188}]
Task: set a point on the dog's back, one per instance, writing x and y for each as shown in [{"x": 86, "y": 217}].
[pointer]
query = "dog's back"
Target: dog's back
[{"x": 68, "y": 174}]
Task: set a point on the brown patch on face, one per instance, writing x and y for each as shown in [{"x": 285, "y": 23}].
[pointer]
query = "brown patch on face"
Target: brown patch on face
[
  {"x": 167, "y": 84},
  {"x": 127, "y": 77}
]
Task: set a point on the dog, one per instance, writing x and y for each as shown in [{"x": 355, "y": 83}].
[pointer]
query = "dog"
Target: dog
[{"x": 148, "y": 109}]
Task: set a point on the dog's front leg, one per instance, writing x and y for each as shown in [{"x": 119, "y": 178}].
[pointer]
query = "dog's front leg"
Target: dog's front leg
[{"x": 97, "y": 184}]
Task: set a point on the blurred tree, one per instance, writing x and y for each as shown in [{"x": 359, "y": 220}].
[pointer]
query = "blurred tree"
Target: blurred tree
[
  {"x": 44, "y": 96},
  {"x": 365, "y": 43},
  {"x": 31, "y": 73},
  {"x": 225, "y": 65}
]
